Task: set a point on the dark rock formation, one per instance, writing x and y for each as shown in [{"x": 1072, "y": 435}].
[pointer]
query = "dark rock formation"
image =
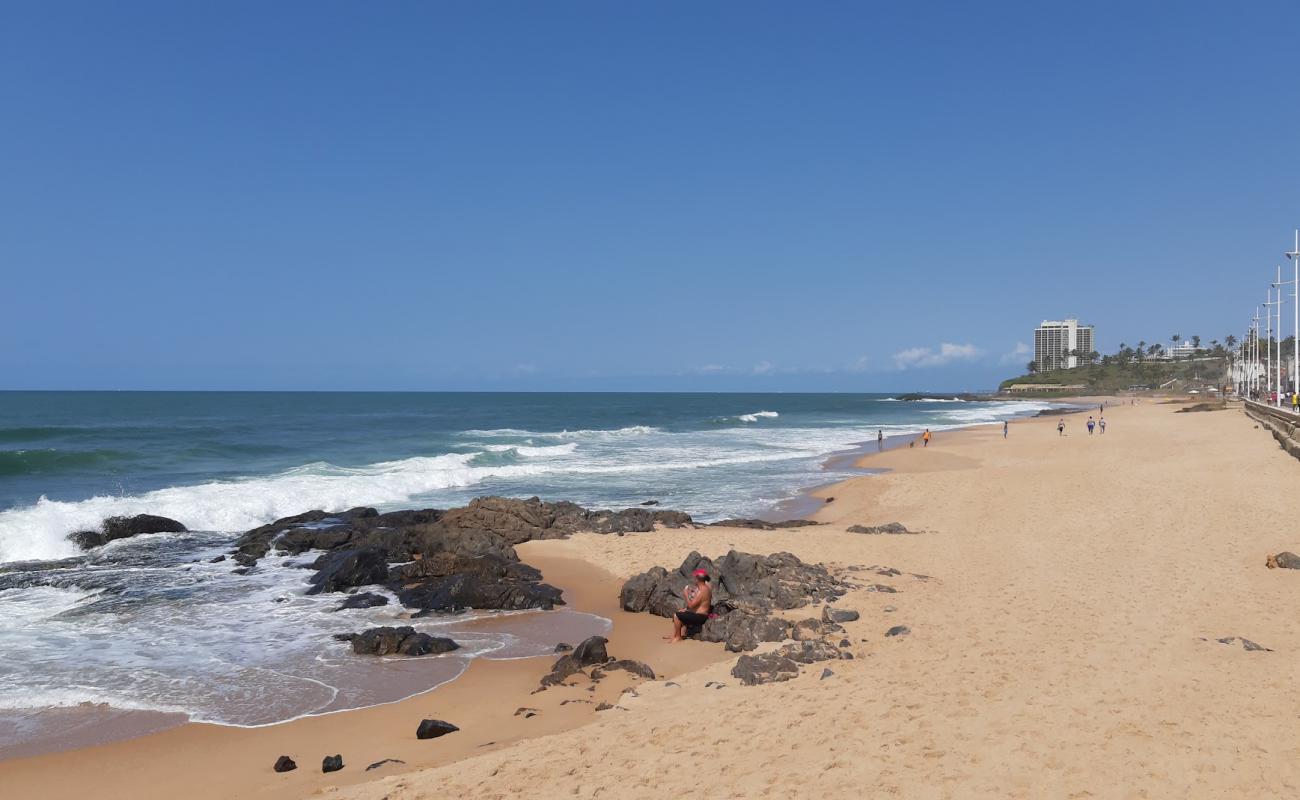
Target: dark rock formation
[
  {"x": 519, "y": 521},
  {"x": 347, "y": 568},
  {"x": 445, "y": 581},
  {"x": 284, "y": 764},
  {"x": 762, "y": 524},
  {"x": 1246, "y": 644},
  {"x": 741, "y": 630},
  {"x": 563, "y": 647},
  {"x": 839, "y": 615},
  {"x": 331, "y": 764},
  {"x": 379, "y": 764},
  {"x": 433, "y": 728},
  {"x": 591, "y": 652},
  {"x": 740, "y": 581},
  {"x": 888, "y": 527},
  {"x": 746, "y": 589},
  {"x": 898, "y": 630},
  {"x": 783, "y": 663},
  {"x": 404, "y": 641},
  {"x": 806, "y": 630},
  {"x": 1284, "y": 560},
  {"x": 767, "y": 668},
  {"x": 639, "y": 668},
  {"x": 115, "y": 528},
  {"x": 363, "y": 600},
  {"x": 450, "y": 560},
  {"x": 591, "y": 660}
]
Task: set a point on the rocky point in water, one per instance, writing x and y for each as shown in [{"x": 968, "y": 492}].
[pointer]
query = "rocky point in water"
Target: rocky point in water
[
  {"x": 437, "y": 560},
  {"x": 115, "y": 528},
  {"x": 405, "y": 641}
]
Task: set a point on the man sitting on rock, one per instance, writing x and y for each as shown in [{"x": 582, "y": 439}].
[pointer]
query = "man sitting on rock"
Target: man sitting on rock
[{"x": 699, "y": 602}]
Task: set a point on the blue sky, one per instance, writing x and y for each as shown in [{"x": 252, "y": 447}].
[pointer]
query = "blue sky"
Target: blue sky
[{"x": 711, "y": 196}]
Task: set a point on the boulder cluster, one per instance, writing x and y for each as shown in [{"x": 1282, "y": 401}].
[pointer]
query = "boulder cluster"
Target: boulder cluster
[
  {"x": 404, "y": 641},
  {"x": 591, "y": 660},
  {"x": 747, "y": 589},
  {"x": 437, "y": 560}
]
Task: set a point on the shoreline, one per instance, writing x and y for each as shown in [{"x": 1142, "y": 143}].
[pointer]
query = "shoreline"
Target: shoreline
[
  {"x": 1068, "y": 635},
  {"x": 227, "y": 761},
  {"x": 481, "y": 677}
]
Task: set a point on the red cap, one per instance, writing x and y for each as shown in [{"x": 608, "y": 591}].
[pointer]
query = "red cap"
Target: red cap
[{"x": 701, "y": 573}]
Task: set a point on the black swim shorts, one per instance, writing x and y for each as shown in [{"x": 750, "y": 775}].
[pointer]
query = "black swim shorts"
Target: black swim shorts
[{"x": 690, "y": 618}]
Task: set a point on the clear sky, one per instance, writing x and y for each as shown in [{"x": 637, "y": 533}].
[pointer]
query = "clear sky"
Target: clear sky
[{"x": 629, "y": 195}]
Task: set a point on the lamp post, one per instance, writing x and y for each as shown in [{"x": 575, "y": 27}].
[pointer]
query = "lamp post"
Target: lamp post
[
  {"x": 1294, "y": 257},
  {"x": 1268, "y": 344}
]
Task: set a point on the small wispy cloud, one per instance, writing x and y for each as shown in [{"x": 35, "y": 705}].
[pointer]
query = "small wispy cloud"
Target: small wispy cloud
[
  {"x": 861, "y": 365},
  {"x": 526, "y": 369},
  {"x": 709, "y": 369},
  {"x": 763, "y": 367},
  {"x": 947, "y": 352},
  {"x": 1017, "y": 354}
]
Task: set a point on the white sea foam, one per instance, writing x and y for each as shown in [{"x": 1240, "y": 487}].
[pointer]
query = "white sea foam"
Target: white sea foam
[
  {"x": 627, "y": 457},
  {"x": 616, "y": 433},
  {"x": 534, "y": 452},
  {"x": 756, "y": 415}
]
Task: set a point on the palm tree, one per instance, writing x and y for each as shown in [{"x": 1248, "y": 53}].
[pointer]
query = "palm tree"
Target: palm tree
[
  {"x": 1230, "y": 341},
  {"x": 1032, "y": 367},
  {"x": 1196, "y": 342}
]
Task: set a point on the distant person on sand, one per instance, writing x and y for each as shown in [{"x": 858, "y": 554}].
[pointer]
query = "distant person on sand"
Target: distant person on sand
[
  {"x": 1101, "y": 425},
  {"x": 925, "y": 438},
  {"x": 1005, "y": 425},
  {"x": 1091, "y": 424},
  {"x": 1060, "y": 427},
  {"x": 880, "y": 439},
  {"x": 699, "y": 602},
  {"x": 1295, "y": 402}
]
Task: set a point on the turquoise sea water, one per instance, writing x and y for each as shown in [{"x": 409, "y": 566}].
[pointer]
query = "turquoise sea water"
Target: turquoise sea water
[{"x": 150, "y": 623}]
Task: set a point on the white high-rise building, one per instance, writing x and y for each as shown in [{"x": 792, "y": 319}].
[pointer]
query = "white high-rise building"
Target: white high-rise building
[{"x": 1055, "y": 340}]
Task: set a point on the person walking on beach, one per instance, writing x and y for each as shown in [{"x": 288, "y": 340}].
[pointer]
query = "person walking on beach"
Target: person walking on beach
[
  {"x": 1060, "y": 427},
  {"x": 880, "y": 439},
  {"x": 1295, "y": 402},
  {"x": 1005, "y": 425},
  {"x": 1091, "y": 424},
  {"x": 1101, "y": 425},
  {"x": 699, "y": 602},
  {"x": 925, "y": 438}
]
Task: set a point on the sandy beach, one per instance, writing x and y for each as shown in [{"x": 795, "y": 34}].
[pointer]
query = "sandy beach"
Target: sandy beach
[{"x": 1064, "y": 599}]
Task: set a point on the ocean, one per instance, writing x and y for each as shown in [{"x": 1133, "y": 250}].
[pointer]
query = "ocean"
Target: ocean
[{"x": 151, "y": 624}]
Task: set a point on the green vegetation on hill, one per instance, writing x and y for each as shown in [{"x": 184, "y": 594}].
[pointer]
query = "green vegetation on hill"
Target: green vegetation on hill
[{"x": 1119, "y": 375}]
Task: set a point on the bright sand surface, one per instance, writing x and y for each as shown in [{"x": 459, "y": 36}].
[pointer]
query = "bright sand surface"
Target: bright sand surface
[{"x": 1064, "y": 646}]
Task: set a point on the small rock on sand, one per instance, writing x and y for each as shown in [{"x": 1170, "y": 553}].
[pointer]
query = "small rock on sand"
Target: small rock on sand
[
  {"x": 433, "y": 728},
  {"x": 331, "y": 764},
  {"x": 1284, "y": 560},
  {"x": 898, "y": 630},
  {"x": 284, "y": 764},
  {"x": 379, "y": 764}
]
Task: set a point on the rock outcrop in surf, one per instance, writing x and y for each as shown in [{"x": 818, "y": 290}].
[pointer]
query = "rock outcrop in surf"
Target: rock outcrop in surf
[
  {"x": 438, "y": 560},
  {"x": 115, "y": 528}
]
